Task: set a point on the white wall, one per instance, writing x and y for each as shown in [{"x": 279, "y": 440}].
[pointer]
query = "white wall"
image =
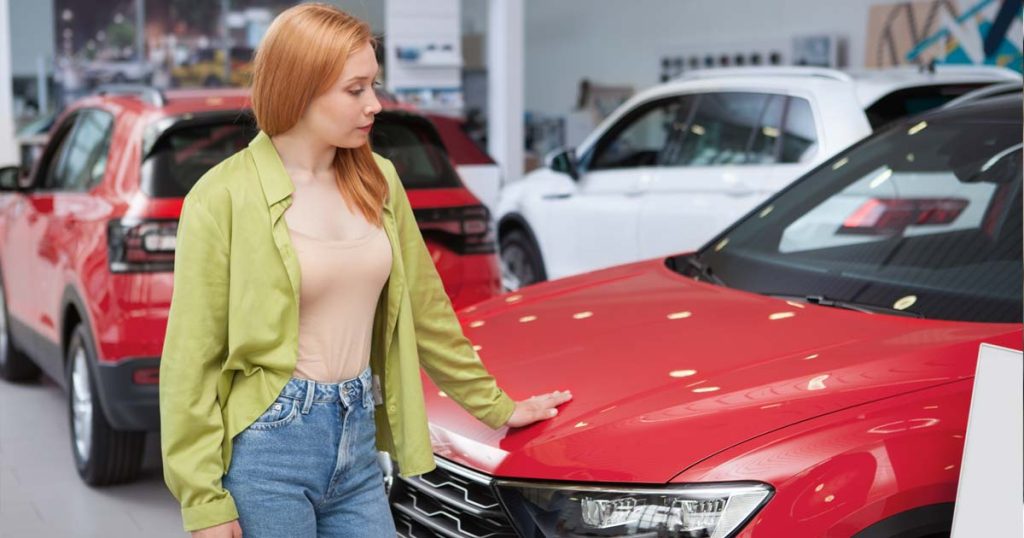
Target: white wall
[
  {"x": 371, "y": 11},
  {"x": 621, "y": 41},
  {"x": 31, "y": 35},
  {"x": 8, "y": 148}
]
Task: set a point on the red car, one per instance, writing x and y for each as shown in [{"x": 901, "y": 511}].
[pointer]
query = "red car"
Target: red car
[
  {"x": 807, "y": 373},
  {"x": 87, "y": 249}
]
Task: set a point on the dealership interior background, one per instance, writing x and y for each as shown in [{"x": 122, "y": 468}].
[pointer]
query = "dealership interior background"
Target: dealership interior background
[{"x": 552, "y": 118}]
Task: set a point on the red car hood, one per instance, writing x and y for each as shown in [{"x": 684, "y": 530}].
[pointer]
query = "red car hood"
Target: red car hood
[{"x": 666, "y": 371}]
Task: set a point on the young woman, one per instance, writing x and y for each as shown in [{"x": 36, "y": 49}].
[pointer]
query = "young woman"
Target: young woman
[{"x": 304, "y": 304}]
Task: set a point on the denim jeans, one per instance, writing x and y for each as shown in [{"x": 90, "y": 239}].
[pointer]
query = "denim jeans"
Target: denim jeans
[{"x": 308, "y": 466}]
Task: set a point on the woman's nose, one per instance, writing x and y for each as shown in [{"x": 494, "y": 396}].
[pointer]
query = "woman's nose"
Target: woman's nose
[{"x": 374, "y": 107}]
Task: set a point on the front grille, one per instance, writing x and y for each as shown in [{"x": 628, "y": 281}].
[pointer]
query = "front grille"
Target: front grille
[{"x": 449, "y": 501}]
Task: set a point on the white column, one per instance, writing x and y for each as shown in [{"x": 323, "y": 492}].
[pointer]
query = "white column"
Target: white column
[
  {"x": 505, "y": 86},
  {"x": 8, "y": 146}
]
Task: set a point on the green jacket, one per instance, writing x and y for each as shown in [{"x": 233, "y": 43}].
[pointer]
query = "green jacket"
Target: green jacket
[{"x": 233, "y": 327}]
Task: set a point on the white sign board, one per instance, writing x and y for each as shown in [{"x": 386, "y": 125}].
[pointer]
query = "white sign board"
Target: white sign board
[
  {"x": 424, "y": 54},
  {"x": 991, "y": 492}
]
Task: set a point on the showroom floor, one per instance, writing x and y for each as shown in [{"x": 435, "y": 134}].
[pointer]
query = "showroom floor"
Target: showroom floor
[{"x": 41, "y": 495}]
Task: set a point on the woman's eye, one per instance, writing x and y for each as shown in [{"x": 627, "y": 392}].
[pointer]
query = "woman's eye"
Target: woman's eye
[{"x": 377, "y": 84}]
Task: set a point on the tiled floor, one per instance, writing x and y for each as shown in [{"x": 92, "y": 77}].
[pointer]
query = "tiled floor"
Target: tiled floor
[{"x": 41, "y": 495}]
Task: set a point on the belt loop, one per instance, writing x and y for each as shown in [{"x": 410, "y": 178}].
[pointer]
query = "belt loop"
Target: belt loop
[{"x": 310, "y": 392}]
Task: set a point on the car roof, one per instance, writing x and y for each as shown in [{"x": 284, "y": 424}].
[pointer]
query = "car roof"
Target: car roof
[{"x": 869, "y": 85}]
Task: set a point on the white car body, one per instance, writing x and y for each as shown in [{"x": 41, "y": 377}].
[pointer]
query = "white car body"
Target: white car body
[{"x": 619, "y": 215}]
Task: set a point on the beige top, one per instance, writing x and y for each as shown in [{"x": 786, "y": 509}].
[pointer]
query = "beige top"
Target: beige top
[{"x": 341, "y": 281}]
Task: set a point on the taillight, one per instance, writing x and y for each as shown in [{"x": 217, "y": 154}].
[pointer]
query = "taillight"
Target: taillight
[
  {"x": 893, "y": 215},
  {"x": 141, "y": 245},
  {"x": 464, "y": 230}
]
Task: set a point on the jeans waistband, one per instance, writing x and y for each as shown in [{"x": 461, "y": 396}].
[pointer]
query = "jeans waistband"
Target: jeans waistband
[{"x": 349, "y": 391}]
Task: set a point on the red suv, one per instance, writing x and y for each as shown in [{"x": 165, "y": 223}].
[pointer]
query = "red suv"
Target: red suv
[
  {"x": 87, "y": 248},
  {"x": 807, "y": 373}
]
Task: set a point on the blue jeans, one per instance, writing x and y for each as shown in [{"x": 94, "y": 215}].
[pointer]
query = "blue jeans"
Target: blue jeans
[{"x": 308, "y": 466}]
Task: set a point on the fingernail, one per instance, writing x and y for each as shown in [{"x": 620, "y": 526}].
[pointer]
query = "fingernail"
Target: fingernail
[{"x": 553, "y": 412}]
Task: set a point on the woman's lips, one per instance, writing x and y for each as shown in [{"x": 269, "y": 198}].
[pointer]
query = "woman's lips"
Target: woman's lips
[{"x": 366, "y": 128}]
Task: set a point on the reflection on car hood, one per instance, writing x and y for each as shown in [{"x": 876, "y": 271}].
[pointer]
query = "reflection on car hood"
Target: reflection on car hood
[{"x": 666, "y": 371}]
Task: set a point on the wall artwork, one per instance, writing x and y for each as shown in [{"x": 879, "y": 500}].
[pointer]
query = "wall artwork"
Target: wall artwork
[{"x": 974, "y": 32}]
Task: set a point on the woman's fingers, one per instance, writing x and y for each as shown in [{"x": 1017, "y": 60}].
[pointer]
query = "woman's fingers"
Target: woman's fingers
[{"x": 538, "y": 407}]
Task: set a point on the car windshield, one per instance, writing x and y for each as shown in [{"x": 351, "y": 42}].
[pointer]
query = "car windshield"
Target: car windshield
[
  {"x": 182, "y": 153},
  {"x": 924, "y": 218},
  {"x": 910, "y": 101}
]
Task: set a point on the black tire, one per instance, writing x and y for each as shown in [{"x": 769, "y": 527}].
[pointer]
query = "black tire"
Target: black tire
[
  {"x": 103, "y": 456},
  {"x": 213, "y": 82},
  {"x": 14, "y": 365},
  {"x": 521, "y": 263}
]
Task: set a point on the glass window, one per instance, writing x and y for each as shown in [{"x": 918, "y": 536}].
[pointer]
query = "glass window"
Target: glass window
[
  {"x": 800, "y": 141},
  {"x": 641, "y": 138},
  {"x": 414, "y": 147},
  {"x": 925, "y": 218},
  {"x": 189, "y": 148},
  {"x": 82, "y": 158},
  {"x": 765, "y": 143},
  {"x": 185, "y": 151},
  {"x": 909, "y": 101},
  {"x": 725, "y": 127}
]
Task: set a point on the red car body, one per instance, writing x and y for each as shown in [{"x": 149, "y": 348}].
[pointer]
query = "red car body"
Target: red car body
[
  {"x": 854, "y": 420},
  {"x": 871, "y": 408},
  {"x": 56, "y": 248}
]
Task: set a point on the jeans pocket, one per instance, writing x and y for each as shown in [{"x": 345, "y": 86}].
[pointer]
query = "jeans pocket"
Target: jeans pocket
[{"x": 280, "y": 413}]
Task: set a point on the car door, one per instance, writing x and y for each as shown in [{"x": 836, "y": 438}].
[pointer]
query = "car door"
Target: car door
[
  {"x": 28, "y": 216},
  {"x": 595, "y": 225},
  {"x": 721, "y": 166},
  {"x": 59, "y": 195}
]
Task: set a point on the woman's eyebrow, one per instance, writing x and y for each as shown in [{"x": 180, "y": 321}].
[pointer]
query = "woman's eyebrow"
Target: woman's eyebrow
[{"x": 364, "y": 77}]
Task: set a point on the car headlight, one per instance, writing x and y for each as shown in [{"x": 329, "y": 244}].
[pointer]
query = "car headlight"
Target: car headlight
[{"x": 714, "y": 511}]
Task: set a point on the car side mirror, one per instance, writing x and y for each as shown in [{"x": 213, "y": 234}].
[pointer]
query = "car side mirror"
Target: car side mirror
[
  {"x": 564, "y": 162},
  {"x": 9, "y": 178}
]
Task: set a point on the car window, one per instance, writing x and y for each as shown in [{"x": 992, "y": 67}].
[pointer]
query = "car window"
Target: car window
[
  {"x": 642, "y": 136},
  {"x": 187, "y": 149},
  {"x": 909, "y": 101},
  {"x": 924, "y": 217},
  {"x": 800, "y": 140},
  {"x": 414, "y": 147},
  {"x": 82, "y": 159},
  {"x": 764, "y": 145},
  {"x": 732, "y": 128}
]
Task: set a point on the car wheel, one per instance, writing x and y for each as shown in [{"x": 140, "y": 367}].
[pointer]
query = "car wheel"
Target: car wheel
[
  {"x": 102, "y": 455},
  {"x": 14, "y": 365},
  {"x": 212, "y": 82},
  {"x": 521, "y": 264}
]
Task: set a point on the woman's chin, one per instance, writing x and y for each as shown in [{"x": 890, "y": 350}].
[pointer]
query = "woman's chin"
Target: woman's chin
[{"x": 357, "y": 140}]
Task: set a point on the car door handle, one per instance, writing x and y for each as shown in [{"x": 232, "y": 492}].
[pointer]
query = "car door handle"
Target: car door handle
[{"x": 557, "y": 196}]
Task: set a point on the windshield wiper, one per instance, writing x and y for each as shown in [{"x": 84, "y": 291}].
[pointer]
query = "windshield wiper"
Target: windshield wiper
[
  {"x": 704, "y": 270},
  {"x": 821, "y": 300}
]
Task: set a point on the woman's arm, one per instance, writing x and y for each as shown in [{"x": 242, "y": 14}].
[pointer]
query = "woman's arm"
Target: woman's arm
[
  {"x": 445, "y": 353},
  {"x": 191, "y": 424}
]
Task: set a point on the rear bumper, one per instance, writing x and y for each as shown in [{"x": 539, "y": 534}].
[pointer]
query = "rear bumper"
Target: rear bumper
[{"x": 129, "y": 406}]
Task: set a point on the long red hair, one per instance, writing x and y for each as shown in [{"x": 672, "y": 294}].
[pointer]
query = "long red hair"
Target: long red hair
[{"x": 300, "y": 57}]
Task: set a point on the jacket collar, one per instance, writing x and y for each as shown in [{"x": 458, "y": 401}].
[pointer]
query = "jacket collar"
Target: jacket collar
[
  {"x": 276, "y": 184},
  {"x": 278, "y": 189}
]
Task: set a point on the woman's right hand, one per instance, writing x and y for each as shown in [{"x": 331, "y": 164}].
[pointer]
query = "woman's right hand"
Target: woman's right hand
[{"x": 231, "y": 529}]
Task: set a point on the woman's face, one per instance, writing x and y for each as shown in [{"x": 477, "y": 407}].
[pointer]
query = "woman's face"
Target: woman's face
[{"x": 342, "y": 115}]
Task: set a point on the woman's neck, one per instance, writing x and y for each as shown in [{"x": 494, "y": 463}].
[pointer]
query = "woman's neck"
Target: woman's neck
[{"x": 303, "y": 156}]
